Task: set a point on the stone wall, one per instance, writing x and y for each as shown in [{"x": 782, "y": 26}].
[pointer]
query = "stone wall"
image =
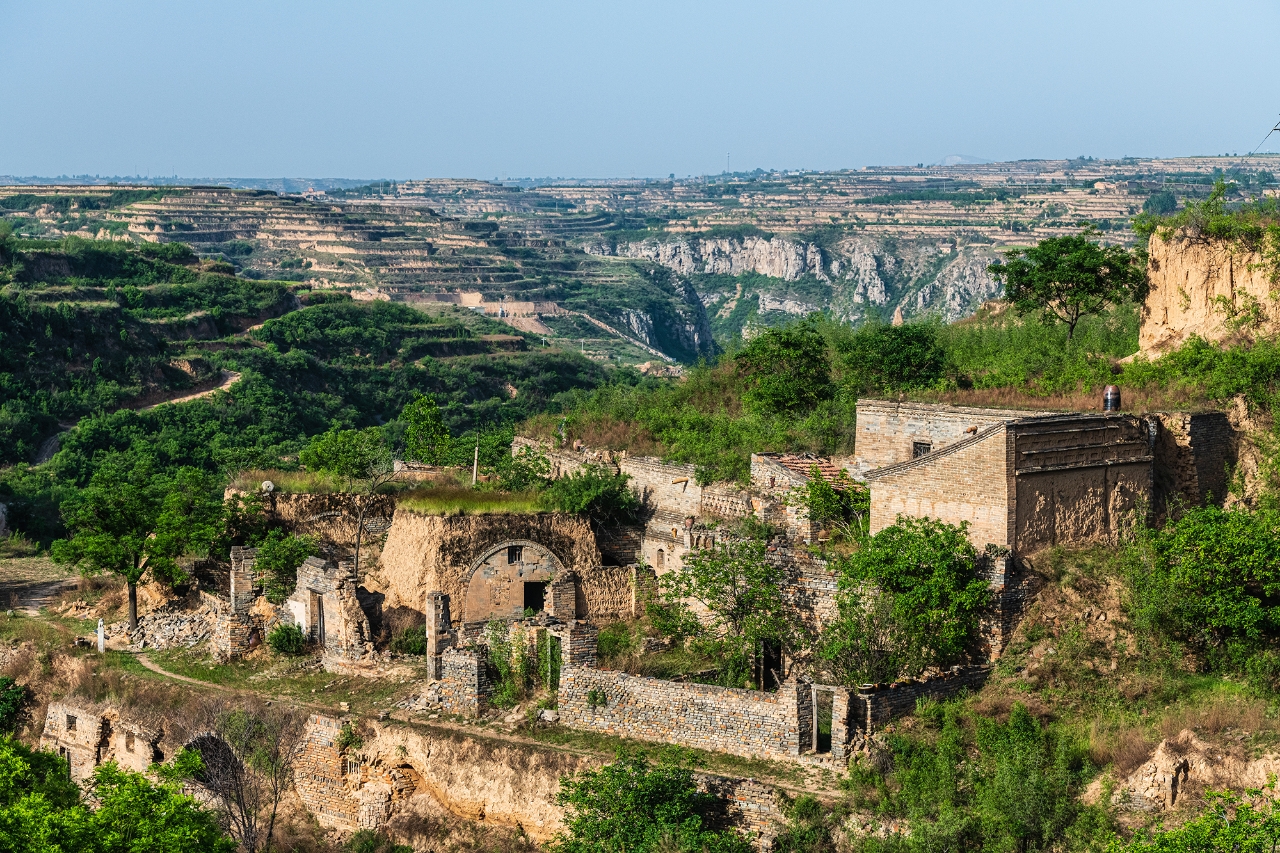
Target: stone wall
[
  {"x": 1199, "y": 289},
  {"x": 332, "y": 518},
  {"x": 870, "y": 709},
  {"x": 724, "y": 719},
  {"x": 672, "y": 488},
  {"x": 1193, "y": 455},
  {"x": 88, "y": 735},
  {"x": 325, "y": 605},
  {"x": 887, "y": 431},
  {"x": 320, "y": 775},
  {"x": 464, "y": 686}
]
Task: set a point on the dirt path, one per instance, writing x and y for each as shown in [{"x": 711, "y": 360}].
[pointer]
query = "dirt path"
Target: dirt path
[
  {"x": 155, "y": 667},
  {"x": 29, "y": 583},
  {"x": 229, "y": 378}
]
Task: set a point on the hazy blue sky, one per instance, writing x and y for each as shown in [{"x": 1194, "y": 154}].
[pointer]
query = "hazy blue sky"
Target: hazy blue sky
[{"x": 476, "y": 89}]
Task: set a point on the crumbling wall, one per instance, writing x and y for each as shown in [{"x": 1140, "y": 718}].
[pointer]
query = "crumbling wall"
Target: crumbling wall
[
  {"x": 325, "y": 605},
  {"x": 1207, "y": 289},
  {"x": 428, "y": 553},
  {"x": 332, "y": 518},
  {"x": 672, "y": 488},
  {"x": 1193, "y": 455},
  {"x": 725, "y": 719},
  {"x": 88, "y": 735},
  {"x": 876, "y": 706}
]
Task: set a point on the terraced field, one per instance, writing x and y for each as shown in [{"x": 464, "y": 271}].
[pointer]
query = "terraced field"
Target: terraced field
[{"x": 666, "y": 266}]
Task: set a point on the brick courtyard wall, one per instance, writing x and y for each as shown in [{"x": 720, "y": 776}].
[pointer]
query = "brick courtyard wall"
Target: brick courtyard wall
[
  {"x": 724, "y": 719},
  {"x": 319, "y": 776},
  {"x": 887, "y": 430},
  {"x": 464, "y": 685},
  {"x": 1193, "y": 453},
  {"x": 726, "y": 501},
  {"x": 672, "y": 488},
  {"x": 970, "y": 481},
  {"x": 620, "y": 545},
  {"x": 873, "y": 708}
]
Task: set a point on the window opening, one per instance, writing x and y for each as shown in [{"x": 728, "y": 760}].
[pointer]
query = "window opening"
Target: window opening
[
  {"x": 128, "y": 741},
  {"x": 515, "y": 554},
  {"x": 71, "y": 723},
  {"x": 920, "y": 448},
  {"x": 662, "y": 559},
  {"x": 535, "y": 595}
]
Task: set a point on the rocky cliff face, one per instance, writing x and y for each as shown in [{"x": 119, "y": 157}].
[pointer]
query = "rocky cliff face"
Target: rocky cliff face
[
  {"x": 859, "y": 276},
  {"x": 1205, "y": 289}
]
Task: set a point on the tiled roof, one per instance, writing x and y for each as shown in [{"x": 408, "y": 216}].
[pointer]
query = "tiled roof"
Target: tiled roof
[{"x": 802, "y": 464}]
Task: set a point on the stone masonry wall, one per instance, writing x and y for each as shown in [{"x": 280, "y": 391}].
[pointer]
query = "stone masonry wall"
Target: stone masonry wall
[
  {"x": 464, "y": 687},
  {"x": 319, "y": 775},
  {"x": 725, "y": 719},
  {"x": 872, "y": 708},
  {"x": 673, "y": 488},
  {"x": 969, "y": 481}
]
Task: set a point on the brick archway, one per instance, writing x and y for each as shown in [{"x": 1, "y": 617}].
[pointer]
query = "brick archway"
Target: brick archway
[{"x": 508, "y": 578}]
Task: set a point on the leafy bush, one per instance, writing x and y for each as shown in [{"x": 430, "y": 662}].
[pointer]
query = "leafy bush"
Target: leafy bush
[
  {"x": 348, "y": 738},
  {"x": 808, "y": 828},
  {"x": 908, "y": 598},
  {"x": 637, "y": 806},
  {"x": 368, "y": 841},
  {"x": 14, "y": 699},
  {"x": 595, "y": 493},
  {"x": 844, "y": 507},
  {"x": 1007, "y": 786},
  {"x": 287, "y": 639},
  {"x": 411, "y": 641},
  {"x": 1230, "y": 824},
  {"x": 1209, "y": 579}
]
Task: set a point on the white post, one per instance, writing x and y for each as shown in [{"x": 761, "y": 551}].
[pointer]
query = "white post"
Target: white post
[
  {"x": 475, "y": 467},
  {"x": 102, "y": 637}
]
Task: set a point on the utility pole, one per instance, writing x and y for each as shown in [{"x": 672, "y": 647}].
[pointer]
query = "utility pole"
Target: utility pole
[{"x": 475, "y": 467}]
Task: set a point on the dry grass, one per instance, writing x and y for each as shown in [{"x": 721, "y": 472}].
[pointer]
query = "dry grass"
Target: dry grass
[
  {"x": 458, "y": 500},
  {"x": 1218, "y": 716},
  {"x": 1134, "y": 400},
  {"x": 292, "y": 482}
]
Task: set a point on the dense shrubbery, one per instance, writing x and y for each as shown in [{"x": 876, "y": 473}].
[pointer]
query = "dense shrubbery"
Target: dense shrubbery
[
  {"x": 635, "y": 805},
  {"x": 287, "y": 639},
  {"x": 978, "y": 784}
]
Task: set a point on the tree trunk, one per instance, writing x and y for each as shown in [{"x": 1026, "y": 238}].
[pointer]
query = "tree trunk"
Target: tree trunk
[{"x": 133, "y": 606}]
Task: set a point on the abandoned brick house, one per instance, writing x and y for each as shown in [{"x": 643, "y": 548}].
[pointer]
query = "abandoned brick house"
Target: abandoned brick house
[{"x": 1029, "y": 480}]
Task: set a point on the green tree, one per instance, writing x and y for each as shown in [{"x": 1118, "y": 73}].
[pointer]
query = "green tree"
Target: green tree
[
  {"x": 426, "y": 437},
  {"x": 1066, "y": 278},
  {"x": 359, "y": 457},
  {"x": 279, "y": 555},
  {"x": 907, "y": 599},
  {"x": 740, "y": 593},
  {"x": 42, "y": 810},
  {"x": 1160, "y": 203},
  {"x": 1209, "y": 578},
  {"x": 636, "y": 806},
  {"x": 130, "y": 520},
  {"x": 785, "y": 371},
  {"x": 883, "y": 359},
  {"x": 842, "y": 507}
]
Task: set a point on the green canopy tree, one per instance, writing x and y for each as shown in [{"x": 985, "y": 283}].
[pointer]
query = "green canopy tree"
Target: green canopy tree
[
  {"x": 907, "y": 599},
  {"x": 130, "y": 520},
  {"x": 786, "y": 371},
  {"x": 1066, "y": 278},
  {"x": 426, "y": 437},
  {"x": 740, "y": 593},
  {"x": 358, "y": 457}
]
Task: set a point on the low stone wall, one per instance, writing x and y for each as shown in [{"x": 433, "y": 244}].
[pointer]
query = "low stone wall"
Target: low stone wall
[
  {"x": 725, "y": 719},
  {"x": 464, "y": 685},
  {"x": 871, "y": 708}
]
